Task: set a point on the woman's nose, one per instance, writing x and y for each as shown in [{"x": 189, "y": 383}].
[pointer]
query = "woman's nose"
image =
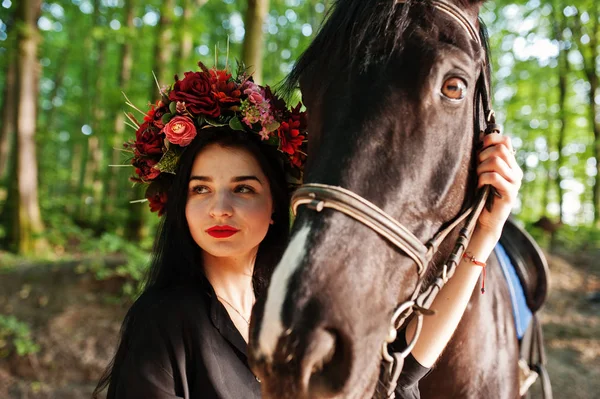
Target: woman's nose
[{"x": 221, "y": 205}]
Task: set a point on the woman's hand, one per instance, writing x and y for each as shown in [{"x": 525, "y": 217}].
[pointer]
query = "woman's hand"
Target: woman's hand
[{"x": 498, "y": 168}]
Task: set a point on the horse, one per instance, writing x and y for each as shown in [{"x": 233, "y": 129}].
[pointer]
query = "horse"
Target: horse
[{"x": 397, "y": 97}]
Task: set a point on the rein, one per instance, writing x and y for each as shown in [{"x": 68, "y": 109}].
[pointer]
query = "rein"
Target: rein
[{"x": 320, "y": 196}]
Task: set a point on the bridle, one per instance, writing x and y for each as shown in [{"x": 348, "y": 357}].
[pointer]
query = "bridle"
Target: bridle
[{"x": 320, "y": 196}]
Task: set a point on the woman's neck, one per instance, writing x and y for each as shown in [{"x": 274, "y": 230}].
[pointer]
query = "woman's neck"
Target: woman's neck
[{"x": 231, "y": 279}]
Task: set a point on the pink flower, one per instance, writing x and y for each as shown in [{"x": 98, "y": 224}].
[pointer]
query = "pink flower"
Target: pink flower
[
  {"x": 180, "y": 130},
  {"x": 254, "y": 97}
]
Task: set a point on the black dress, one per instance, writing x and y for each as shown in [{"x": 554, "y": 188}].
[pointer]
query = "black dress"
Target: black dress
[{"x": 183, "y": 344}]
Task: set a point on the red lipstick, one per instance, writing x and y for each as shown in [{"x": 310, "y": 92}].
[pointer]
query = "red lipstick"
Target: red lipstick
[{"x": 222, "y": 231}]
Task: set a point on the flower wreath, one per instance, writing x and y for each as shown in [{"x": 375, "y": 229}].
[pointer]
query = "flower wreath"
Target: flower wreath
[{"x": 204, "y": 99}]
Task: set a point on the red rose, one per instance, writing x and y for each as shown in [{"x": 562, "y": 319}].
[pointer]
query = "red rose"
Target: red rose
[
  {"x": 148, "y": 140},
  {"x": 195, "y": 90},
  {"x": 289, "y": 135},
  {"x": 225, "y": 90},
  {"x": 156, "y": 113},
  {"x": 180, "y": 130},
  {"x": 144, "y": 168},
  {"x": 158, "y": 202}
]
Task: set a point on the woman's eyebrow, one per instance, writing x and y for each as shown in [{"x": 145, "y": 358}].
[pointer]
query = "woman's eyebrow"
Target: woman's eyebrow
[
  {"x": 201, "y": 178},
  {"x": 235, "y": 179},
  {"x": 238, "y": 179}
]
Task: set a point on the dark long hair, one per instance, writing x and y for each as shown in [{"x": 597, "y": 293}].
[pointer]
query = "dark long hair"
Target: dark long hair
[{"x": 176, "y": 258}]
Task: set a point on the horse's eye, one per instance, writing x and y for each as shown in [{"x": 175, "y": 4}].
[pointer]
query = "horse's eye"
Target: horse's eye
[{"x": 454, "y": 88}]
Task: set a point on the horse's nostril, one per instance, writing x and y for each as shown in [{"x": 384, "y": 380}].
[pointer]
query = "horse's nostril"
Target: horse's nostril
[
  {"x": 319, "y": 352},
  {"x": 325, "y": 364}
]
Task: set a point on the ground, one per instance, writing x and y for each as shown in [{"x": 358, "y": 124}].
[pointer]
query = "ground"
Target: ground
[{"x": 75, "y": 319}]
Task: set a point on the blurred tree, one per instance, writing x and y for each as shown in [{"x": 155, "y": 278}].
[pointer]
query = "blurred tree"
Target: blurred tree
[
  {"x": 559, "y": 26},
  {"x": 125, "y": 69},
  {"x": 163, "y": 52},
  {"x": 7, "y": 127},
  {"x": 588, "y": 42},
  {"x": 22, "y": 218},
  {"x": 186, "y": 40},
  {"x": 252, "y": 51}
]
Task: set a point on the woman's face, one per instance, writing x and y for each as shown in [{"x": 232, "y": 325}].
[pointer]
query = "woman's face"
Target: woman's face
[{"x": 229, "y": 203}]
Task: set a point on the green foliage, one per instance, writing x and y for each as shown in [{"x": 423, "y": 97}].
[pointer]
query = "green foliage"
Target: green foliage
[
  {"x": 132, "y": 270},
  {"x": 86, "y": 205},
  {"x": 525, "y": 54},
  {"x": 15, "y": 336},
  {"x": 579, "y": 238}
]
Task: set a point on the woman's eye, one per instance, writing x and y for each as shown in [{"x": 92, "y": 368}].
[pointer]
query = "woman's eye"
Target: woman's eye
[
  {"x": 244, "y": 190},
  {"x": 200, "y": 189},
  {"x": 454, "y": 88}
]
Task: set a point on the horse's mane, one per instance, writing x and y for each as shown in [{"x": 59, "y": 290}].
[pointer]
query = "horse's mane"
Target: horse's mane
[{"x": 355, "y": 35}]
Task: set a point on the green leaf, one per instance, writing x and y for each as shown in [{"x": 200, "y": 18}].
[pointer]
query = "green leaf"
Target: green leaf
[
  {"x": 173, "y": 107},
  {"x": 271, "y": 127},
  {"x": 273, "y": 140},
  {"x": 166, "y": 118},
  {"x": 215, "y": 123},
  {"x": 236, "y": 124},
  {"x": 170, "y": 159}
]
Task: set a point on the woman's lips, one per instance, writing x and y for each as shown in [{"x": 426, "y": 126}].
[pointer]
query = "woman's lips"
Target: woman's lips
[{"x": 222, "y": 231}]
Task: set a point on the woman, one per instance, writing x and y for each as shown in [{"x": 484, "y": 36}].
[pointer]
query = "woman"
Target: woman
[
  {"x": 218, "y": 154},
  {"x": 229, "y": 146}
]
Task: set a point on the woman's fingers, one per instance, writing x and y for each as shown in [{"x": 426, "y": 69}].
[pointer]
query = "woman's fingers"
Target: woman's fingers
[
  {"x": 498, "y": 168},
  {"x": 506, "y": 189},
  {"x": 497, "y": 164},
  {"x": 499, "y": 148},
  {"x": 494, "y": 139}
]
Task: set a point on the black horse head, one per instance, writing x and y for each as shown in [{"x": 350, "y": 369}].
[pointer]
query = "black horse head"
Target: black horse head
[{"x": 391, "y": 91}]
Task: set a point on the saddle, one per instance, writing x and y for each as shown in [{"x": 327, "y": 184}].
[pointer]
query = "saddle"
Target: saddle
[
  {"x": 531, "y": 267},
  {"x": 529, "y": 262}
]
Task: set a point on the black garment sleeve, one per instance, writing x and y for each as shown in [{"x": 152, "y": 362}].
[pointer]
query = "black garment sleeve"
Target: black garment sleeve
[
  {"x": 412, "y": 372},
  {"x": 150, "y": 369}
]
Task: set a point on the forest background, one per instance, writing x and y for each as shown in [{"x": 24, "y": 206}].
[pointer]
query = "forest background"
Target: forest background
[{"x": 67, "y": 224}]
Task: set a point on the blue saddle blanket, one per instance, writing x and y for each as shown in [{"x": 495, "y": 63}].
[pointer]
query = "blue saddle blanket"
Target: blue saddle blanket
[{"x": 521, "y": 312}]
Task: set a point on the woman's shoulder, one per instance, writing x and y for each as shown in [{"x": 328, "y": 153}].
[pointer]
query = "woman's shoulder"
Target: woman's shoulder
[{"x": 170, "y": 305}]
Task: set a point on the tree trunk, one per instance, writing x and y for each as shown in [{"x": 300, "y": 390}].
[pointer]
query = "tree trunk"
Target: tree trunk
[
  {"x": 252, "y": 50},
  {"x": 98, "y": 146},
  {"x": 163, "y": 47},
  {"x": 58, "y": 80},
  {"x": 98, "y": 166},
  {"x": 163, "y": 51},
  {"x": 84, "y": 119},
  {"x": 590, "y": 69},
  {"x": 559, "y": 25},
  {"x": 92, "y": 115},
  {"x": 592, "y": 73},
  {"x": 73, "y": 183},
  {"x": 186, "y": 44},
  {"x": 125, "y": 68},
  {"x": 28, "y": 217},
  {"x": 7, "y": 127}
]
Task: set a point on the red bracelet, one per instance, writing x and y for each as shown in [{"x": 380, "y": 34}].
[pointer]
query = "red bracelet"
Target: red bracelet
[{"x": 469, "y": 256}]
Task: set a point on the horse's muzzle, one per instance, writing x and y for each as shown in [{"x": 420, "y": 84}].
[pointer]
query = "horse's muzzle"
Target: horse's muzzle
[{"x": 309, "y": 364}]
